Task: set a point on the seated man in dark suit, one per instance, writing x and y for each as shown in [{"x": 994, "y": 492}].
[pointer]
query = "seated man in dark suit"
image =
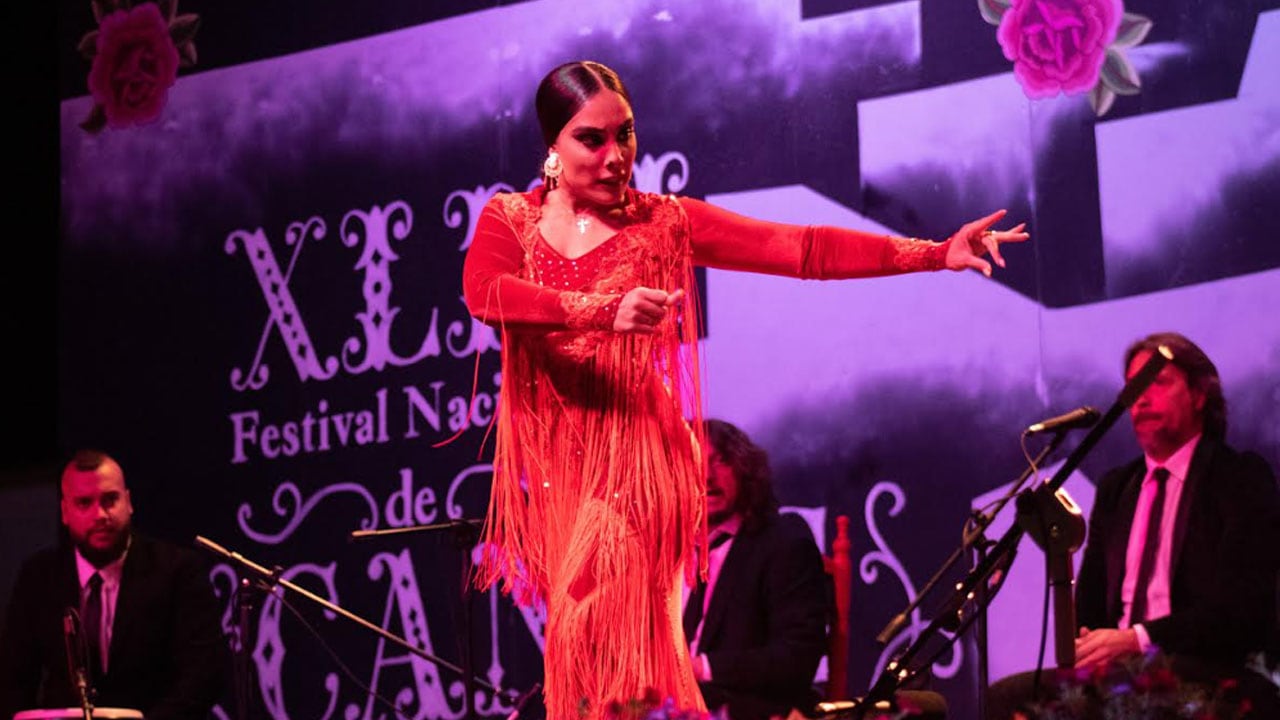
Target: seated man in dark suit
[
  {"x": 1184, "y": 542},
  {"x": 146, "y": 609},
  {"x": 757, "y": 629}
]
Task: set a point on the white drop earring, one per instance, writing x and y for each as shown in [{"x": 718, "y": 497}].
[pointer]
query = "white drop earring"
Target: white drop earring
[{"x": 551, "y": 168}]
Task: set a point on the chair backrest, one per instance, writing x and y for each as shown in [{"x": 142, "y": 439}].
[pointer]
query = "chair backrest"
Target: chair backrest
[{"x": 839, "y": 566}]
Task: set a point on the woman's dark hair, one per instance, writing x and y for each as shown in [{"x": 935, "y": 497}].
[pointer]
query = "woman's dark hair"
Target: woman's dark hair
[
  {"x": 1199, "y": 370},
  {"x": 564, "y": 91},
  {"x": 750, "y": 464}
]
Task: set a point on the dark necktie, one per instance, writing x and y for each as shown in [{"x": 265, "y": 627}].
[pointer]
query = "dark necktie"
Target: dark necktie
[
  {"x": 1138, "y": 610},
  {"x": 91, "y": 621},
  {"x": 698, "y": 597}
]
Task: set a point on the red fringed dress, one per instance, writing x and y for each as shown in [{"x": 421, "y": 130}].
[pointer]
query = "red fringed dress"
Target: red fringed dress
[{"x": 598, "y": 487}]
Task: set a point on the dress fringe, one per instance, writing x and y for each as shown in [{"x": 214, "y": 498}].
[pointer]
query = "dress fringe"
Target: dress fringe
[{"x": 599, "y": 491}]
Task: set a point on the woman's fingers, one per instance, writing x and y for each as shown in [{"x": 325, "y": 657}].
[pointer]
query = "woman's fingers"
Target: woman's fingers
[
  {"x": 652, "y": 295},
  {"x": 643, "y": 308},
  {"x": 979, "y": 264},
  {"x": 986, "y": 222},
  {"x": 1016, "y": 234},
  {"x": 976, "y": 239},
  {"x": 989, "y": 240},
  {"x": 992, "y": 243}
]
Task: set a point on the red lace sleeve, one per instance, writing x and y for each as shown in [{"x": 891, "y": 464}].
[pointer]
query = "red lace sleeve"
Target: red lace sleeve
[
  {"x": 498, "y": 296},
  {"x": 723, "y": 239}
]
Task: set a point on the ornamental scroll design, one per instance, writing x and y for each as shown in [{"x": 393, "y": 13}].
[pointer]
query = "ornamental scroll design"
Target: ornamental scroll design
[
  {"x": 885, "y": 557},
  {"x": 464, "y": 337},
  {"x": 651, "y": 173},
  {"x": 224, "y": 580},
  {"x": 464, "y": 206},
  {"x": 289, "y": 504}
]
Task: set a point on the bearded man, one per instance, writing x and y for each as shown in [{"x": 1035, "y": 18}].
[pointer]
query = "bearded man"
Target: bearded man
[{"x": 144, "y": 608}]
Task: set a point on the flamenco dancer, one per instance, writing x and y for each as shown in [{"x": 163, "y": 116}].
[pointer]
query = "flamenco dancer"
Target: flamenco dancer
[{"x": 598, "y": 492}]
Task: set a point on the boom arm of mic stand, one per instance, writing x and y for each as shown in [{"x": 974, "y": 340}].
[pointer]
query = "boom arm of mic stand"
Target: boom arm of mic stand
[
  {"x": 391, "y": 637},
  {"x": 523, "y": 700},
  {"x": 899, "y": 669},
  {"x": 414, "y": 529},
  {"x": 971, "y": 536}
]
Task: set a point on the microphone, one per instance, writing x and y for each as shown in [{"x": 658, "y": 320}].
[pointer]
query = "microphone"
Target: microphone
[
  {"x": 70, "y": 634},
  {"x": 891, "y": 630},
  {"x": 1081, "y": 417}
]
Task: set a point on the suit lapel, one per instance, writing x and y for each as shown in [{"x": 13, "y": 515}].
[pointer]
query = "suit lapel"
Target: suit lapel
[
  {"x": 1201, "y": 459},
  {"x": 734, "y": 565},
  {"x": 67, "y": 580},
  {"x": 1118, "y": 549},
  {"x": 128, "y": 601}
]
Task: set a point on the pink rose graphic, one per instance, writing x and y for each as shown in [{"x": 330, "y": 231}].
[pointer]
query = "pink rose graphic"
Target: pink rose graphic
[
  {"x": 1058, "y": 45},
  {"x": 135, "y": 65}
]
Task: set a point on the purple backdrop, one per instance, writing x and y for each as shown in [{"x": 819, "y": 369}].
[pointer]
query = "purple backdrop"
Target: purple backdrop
[{"x": 260, "y": 308}]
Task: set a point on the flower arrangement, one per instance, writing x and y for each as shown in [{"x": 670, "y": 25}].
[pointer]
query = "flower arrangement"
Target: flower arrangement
[
  {"x": 653, "y": 707},
  {"x": 135, "y": 53},
  {"x": 1069, "y": 46},
  {"x": 1141, "y": 687}
]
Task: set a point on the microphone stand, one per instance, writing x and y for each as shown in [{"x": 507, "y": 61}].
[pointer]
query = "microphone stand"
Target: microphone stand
[
  {"x": 1057, "y": 525},
  {"x": 981, "y": 544},
  {"x": 973, "y": 535},
  {"x": 899, "y": 670},
  {"x": 82, "y": 686},
  {"x": 973, "y": 538},
  {"x": 247, "y": 596},
  {"x": 272, "y": 579},
  {"x": 982, "y": 599},
  {"x": 414, "y": 529},
  {"x": 76, "y": 657},
  {"x": 522, "y": 700},
  {"x": 466, "y": 534}
]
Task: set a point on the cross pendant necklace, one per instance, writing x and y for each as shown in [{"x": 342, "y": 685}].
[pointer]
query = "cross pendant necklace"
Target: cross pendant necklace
[{"x": 583, "y": 222}]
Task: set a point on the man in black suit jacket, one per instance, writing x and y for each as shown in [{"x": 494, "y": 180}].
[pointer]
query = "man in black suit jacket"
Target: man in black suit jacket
[
  {"x": 1184, "y": 542},
  {"x": 1211, "y": 592},
  {"x": 146, "y": 611},
  {"x": 757, "y": 645}
]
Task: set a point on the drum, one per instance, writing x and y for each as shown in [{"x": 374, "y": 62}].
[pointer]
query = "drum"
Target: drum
[{"x": 107, "y": 713}]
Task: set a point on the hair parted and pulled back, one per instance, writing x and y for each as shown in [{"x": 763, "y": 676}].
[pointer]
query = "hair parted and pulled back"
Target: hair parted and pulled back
[{"x": 568, "y": 87}]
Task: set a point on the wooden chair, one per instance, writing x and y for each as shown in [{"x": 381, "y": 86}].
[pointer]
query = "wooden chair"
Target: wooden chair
[{"x": 839, "y": 566}]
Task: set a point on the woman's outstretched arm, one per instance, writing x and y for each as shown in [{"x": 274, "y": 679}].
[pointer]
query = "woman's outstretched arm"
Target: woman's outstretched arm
[{"x": 727, "y": 240}]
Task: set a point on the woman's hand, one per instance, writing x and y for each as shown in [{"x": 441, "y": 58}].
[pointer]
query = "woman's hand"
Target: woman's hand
[
  {"x": 976, "y": 239},
  {"x": 643, "y": 308}
]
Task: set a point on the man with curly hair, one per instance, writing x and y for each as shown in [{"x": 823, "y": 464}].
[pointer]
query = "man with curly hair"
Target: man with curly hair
[{"x": 757, "y": 629}]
